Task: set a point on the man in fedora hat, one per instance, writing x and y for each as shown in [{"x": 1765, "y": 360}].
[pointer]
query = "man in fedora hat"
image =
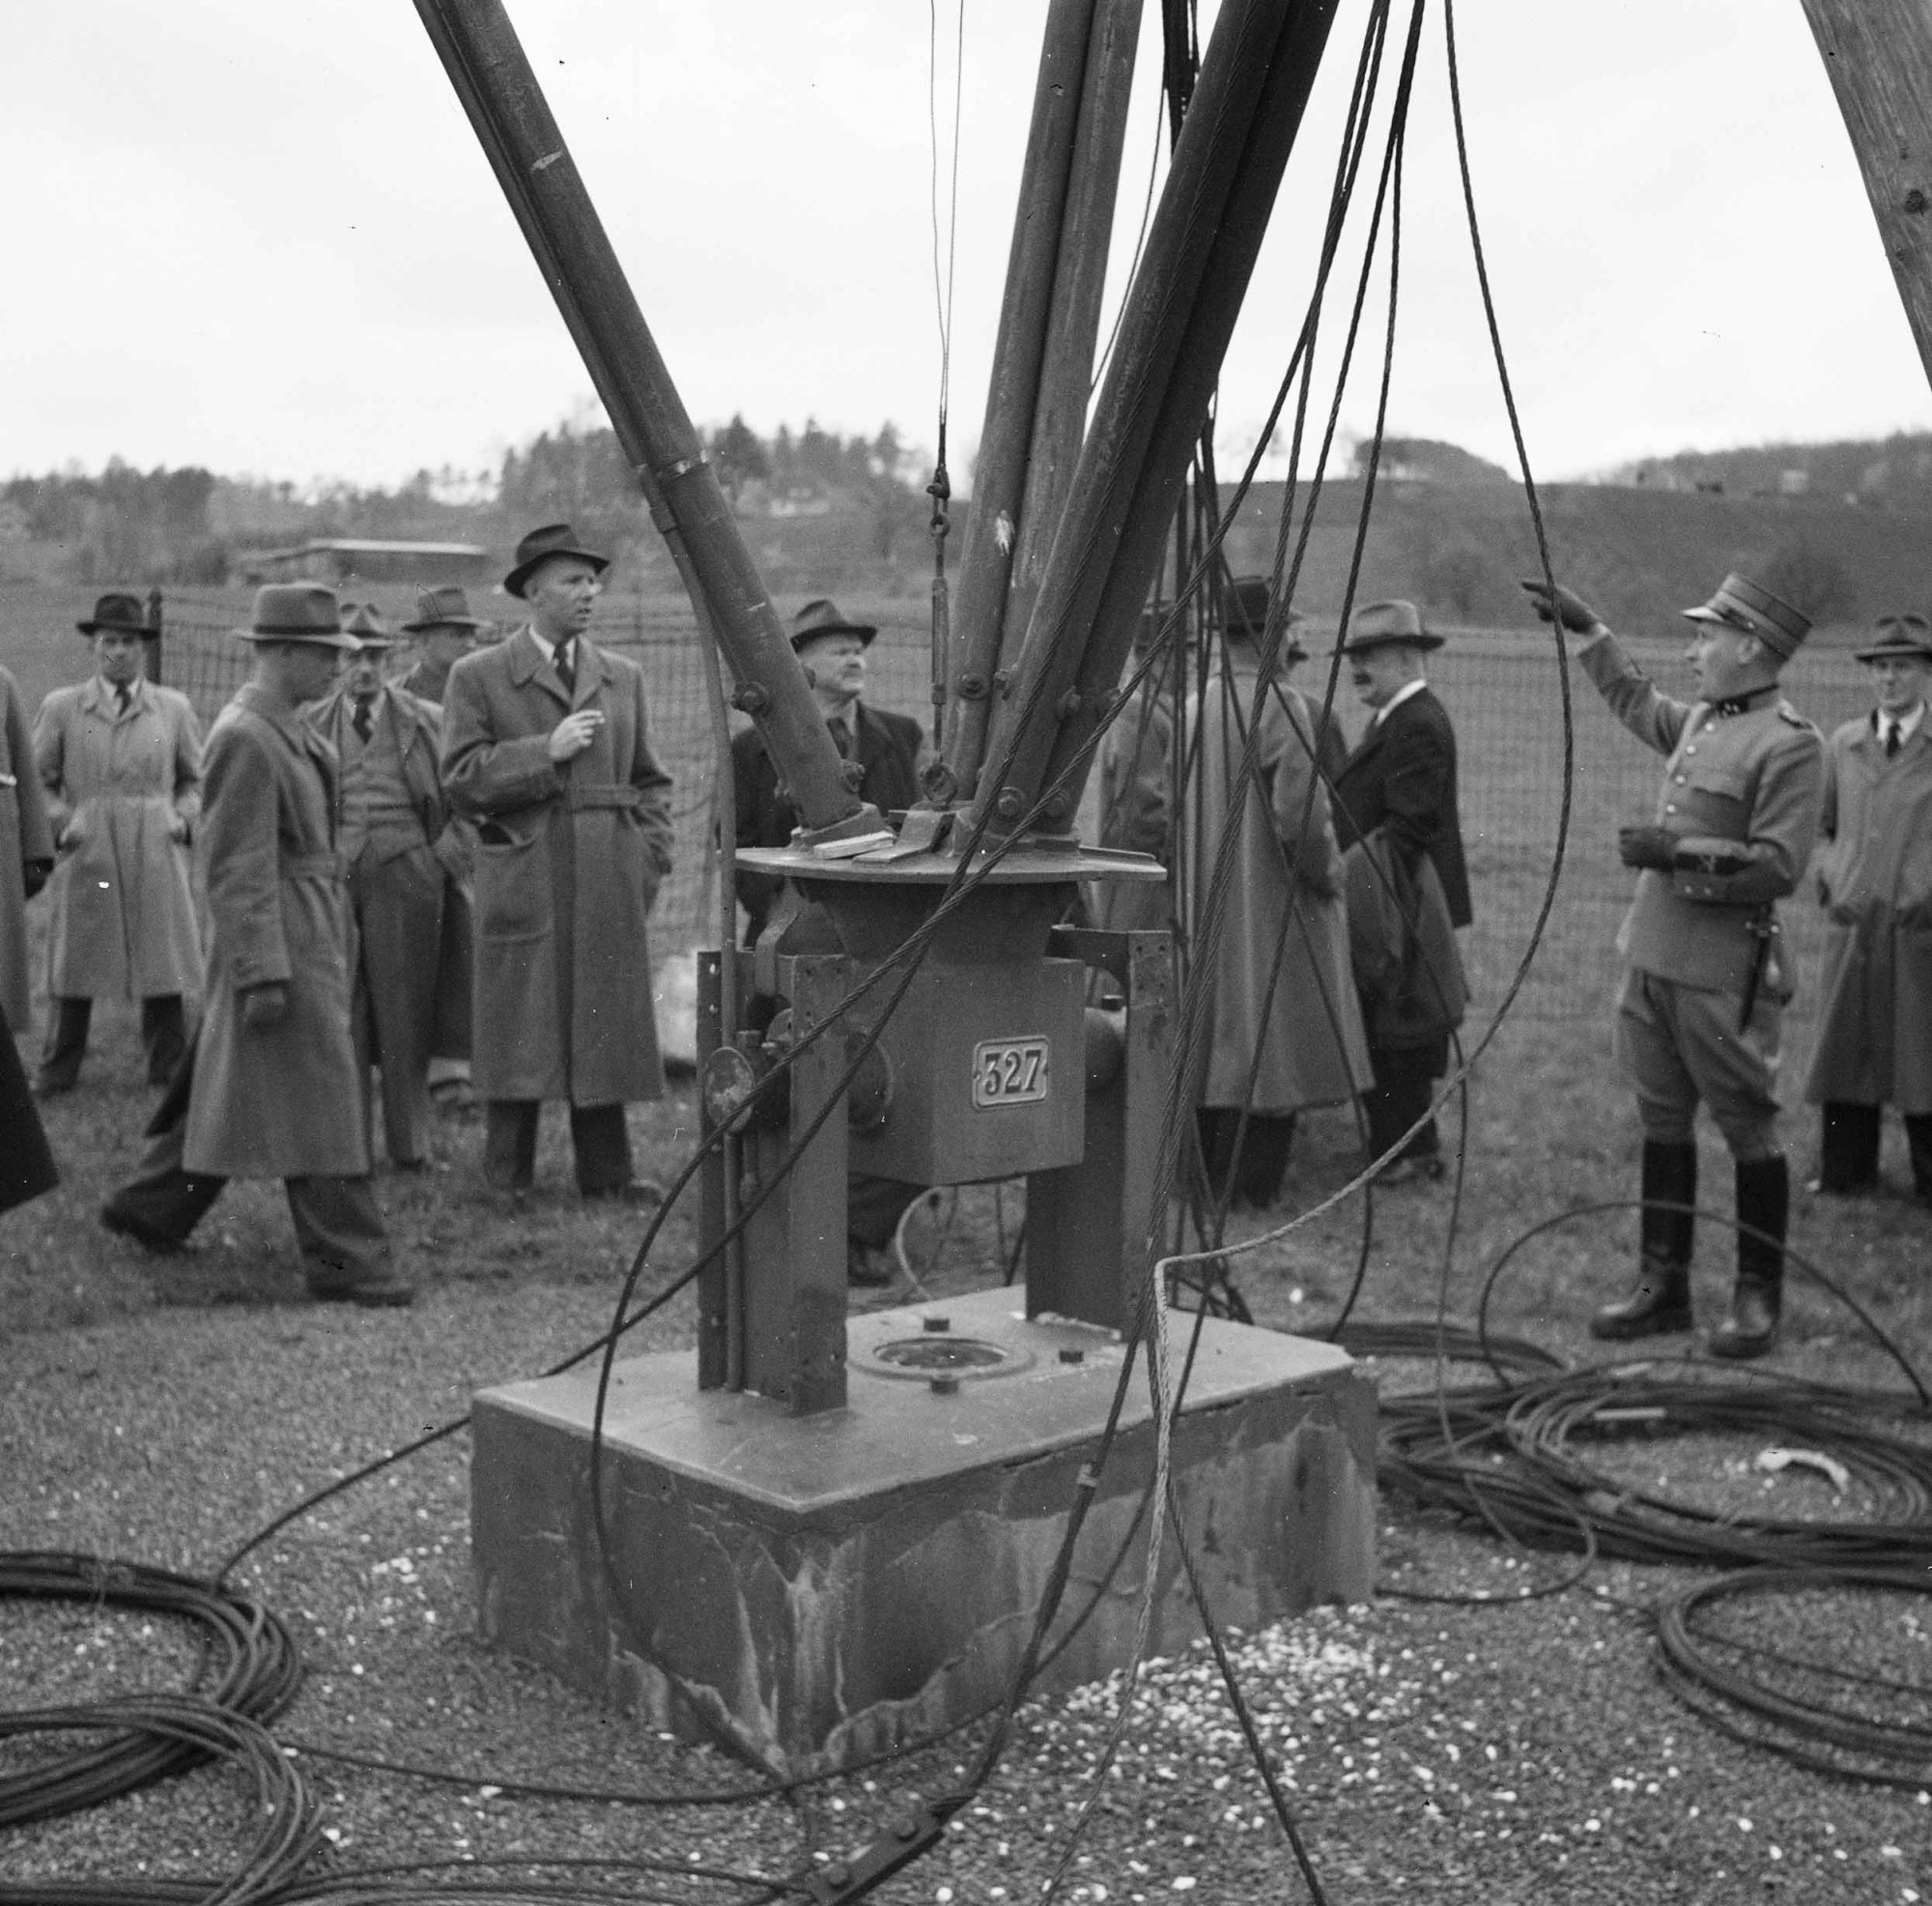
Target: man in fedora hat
[
  {"x": 1703, "y": 987},
  {"x": 444, "y": 632},
  {"x": 1874, "y": 1044},
  {"x": 393, "y": 837},
  {"x": 1399, "y": 786},
  {"x": 26, "y": 853},
  {"x": 1284, "y": 1027},
  {"x": 545, "y": 748},
  {"x": 881, "y": 749},
  {"x": 270, "y": 1087},
  {"x": 120, "y": 760},
  {"x": 881, "y": 752}
]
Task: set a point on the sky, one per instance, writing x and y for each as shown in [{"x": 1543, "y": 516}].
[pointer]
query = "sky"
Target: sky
[{"x": 263, "y": 238}]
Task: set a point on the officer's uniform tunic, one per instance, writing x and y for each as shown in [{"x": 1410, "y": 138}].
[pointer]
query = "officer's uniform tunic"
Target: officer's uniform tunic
[{"x": 1746, "y": 777}]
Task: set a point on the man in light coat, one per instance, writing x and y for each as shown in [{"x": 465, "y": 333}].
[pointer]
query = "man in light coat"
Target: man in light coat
[
  {"x": 546, "y": 747},
  {"x": 272, "y": 1087},
  {"x": 393, "y": 837},
  {"x": 1874, "y": 1044},
  {"x": 1285, "y": 1026},
  {"x": 26, "y": 854},
  {"x": 120, "y": 760},
  {"x": 1700, "y": 1007}
]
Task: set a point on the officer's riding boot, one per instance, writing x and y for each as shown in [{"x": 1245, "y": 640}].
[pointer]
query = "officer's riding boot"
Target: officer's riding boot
[
  {"x": 1764, "y": 1202},
  {"x": 1659, "y": 1303}
]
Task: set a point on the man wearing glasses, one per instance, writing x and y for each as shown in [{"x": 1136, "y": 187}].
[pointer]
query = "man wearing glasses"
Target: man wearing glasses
[
  {"x": 1703, "y": 986},
  {"x": 1875, "y": 882}
]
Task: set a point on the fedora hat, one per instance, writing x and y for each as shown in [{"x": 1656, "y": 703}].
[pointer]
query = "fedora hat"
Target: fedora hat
[
  {"x": 1247, "y": 603},
  {"x": 536, "y": 548},
  {"x": 364, "y": 622},
  {"x": 447, "y": 607},
  {"x": 1741, "y": 603},
  {"x": 298, "y": 612},
  {"x": 821, "y": 618},
  {"x": 118, "y": 612},
  {"x": 1382, "y": 624},
  {"x": 1906, "y": 635}
]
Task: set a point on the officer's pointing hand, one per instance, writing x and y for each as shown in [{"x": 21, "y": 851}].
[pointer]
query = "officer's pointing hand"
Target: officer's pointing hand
[
  {"x": 1554, "y": 603},
  {"x": 1653, "y": 847},
  {"x": 574, "y": 734}
]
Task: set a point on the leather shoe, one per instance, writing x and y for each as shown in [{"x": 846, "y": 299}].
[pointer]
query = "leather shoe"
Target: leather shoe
[
  {"x": 1424, "y": 1168},
  {"x": 371, "y": 1293},
  {"x": 646, "y": 1191},
  {"x": 124, "y": 1223},
  {"x": 1818, "y": 1187},
  {"x": 1750, "y": 1329}
]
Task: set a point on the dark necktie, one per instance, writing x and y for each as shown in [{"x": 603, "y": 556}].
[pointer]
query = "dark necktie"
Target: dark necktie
[
  {"x": 841, "y": 735},
  {"x": 565, "y": 665},
  {"x": 124, "y": 695},
  {"x": 363, "y": 721},
  {"x": 1893, "y": 738}
]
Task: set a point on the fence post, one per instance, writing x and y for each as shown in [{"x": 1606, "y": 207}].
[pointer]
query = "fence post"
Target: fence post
[{"x": 151, "y": 643}]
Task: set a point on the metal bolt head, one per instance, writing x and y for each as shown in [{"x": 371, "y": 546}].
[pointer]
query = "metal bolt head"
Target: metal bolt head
[
  {"x": 945, "y": 1383},
  {"x": 936, "y": 1323},
  {"x": 1072, "y": 1353},
  {"x": 1011, "y": 805}
]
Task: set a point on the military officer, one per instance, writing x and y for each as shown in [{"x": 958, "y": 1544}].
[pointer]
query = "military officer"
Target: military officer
[
  {"x": 392, "y": 836},
  {"x": 1704, "y": 986},
  {"x": 120, "y": 760}
]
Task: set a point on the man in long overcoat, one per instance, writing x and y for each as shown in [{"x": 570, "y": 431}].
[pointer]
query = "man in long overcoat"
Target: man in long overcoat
[
  {"x": 1285, "y": 1027},
  {"x": 392, "y": 834},
  {"x": 881, "y": 750},
  {"x": 546, "y": 747},
  {"x": 1874, "y": 1044},
  {"x": 444, "y": 632},
  {"x": 26, "y": 853},
  {"x": 1400, "y": 777},
  {"x": 272, "y": 1087},
  {"x": 1701, "y": 1002},
  {"x": 120, "y": 760}
]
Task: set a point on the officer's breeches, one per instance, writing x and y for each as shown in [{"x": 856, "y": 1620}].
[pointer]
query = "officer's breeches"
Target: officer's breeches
[{"x": 1678, "y": 1044}]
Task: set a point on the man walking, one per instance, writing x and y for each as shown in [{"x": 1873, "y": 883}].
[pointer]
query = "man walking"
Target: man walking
[
  {"x": 270, "y": 1087},
  {"x": 1399, "y": 780},
  {"x": 120, "y": 760},
  {"x": 546, "y": 748},
  {"x": 881, "y": 752},
  {"x": 1704, "y": 989},
  {"x": 394, "y": 823},
  {"x": 1875, "y": 881}
]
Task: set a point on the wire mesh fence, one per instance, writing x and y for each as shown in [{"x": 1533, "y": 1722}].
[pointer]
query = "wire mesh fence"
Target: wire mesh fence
[{"x": 1502, "y": 691}]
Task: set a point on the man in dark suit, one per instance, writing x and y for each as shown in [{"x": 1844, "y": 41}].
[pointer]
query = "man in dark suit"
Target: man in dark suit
[
  {"x": 883, "y": 749},
  {"x": 1400, "y": 777},
  {"x": 881, "y": 753}
]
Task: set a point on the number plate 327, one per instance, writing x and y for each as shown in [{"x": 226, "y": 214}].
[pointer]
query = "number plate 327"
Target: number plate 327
[{"x": 1010, "y": 1072}]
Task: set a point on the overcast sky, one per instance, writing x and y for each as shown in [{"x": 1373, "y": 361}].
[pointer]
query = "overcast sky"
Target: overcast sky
[{"x": 261, "y": 237}]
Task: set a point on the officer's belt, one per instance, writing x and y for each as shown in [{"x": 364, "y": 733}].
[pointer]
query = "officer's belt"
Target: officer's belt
[{"x": 604, "y": 794}]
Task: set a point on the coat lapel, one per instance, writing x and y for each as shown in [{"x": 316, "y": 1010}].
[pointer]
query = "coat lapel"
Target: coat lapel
[{"x": 530, "y": 663}]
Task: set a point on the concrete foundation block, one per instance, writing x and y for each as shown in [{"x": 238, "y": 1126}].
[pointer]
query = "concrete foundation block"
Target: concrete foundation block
[{"x": 814, "y": 1589}]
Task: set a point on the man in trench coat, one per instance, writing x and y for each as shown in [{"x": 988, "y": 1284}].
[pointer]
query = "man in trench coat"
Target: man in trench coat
[
  {"x": 270, "y": 1087},
  {"x": 120, "y": 760},
  {"x": 1874, "y": 1044},
  {"x": 393, "y": 837},
  {"x": 1701, "y": 1002},
  {"x": 546, "y": 747},
  {"x": 1285, "y": 1026},
  {"x": 26, "y": 854},
  {"x": 1400, "y": 779}
]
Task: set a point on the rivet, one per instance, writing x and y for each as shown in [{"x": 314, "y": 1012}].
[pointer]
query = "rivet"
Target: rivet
[
  {"x": 936, "y": 1323},
  {"x": 945, "y": 1384},
  {"x": 1070, "y": 1354}
]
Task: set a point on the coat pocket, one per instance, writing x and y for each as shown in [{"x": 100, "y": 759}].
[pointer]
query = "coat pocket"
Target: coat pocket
[{"x": 513, "y": 897}]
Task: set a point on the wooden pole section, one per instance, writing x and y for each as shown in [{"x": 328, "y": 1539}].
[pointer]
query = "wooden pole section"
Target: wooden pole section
[
  {"x": 999, "y": 473},
  {"x": 1879, "y": 55},
  {"x": 486, "y": 65}
]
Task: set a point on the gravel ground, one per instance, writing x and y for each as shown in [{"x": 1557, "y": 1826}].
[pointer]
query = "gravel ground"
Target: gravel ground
[{"x": 1518, "y": 1753}]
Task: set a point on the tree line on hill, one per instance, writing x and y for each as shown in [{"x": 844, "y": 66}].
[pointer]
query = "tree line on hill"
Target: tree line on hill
[{"x": 190, "y": 524}]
